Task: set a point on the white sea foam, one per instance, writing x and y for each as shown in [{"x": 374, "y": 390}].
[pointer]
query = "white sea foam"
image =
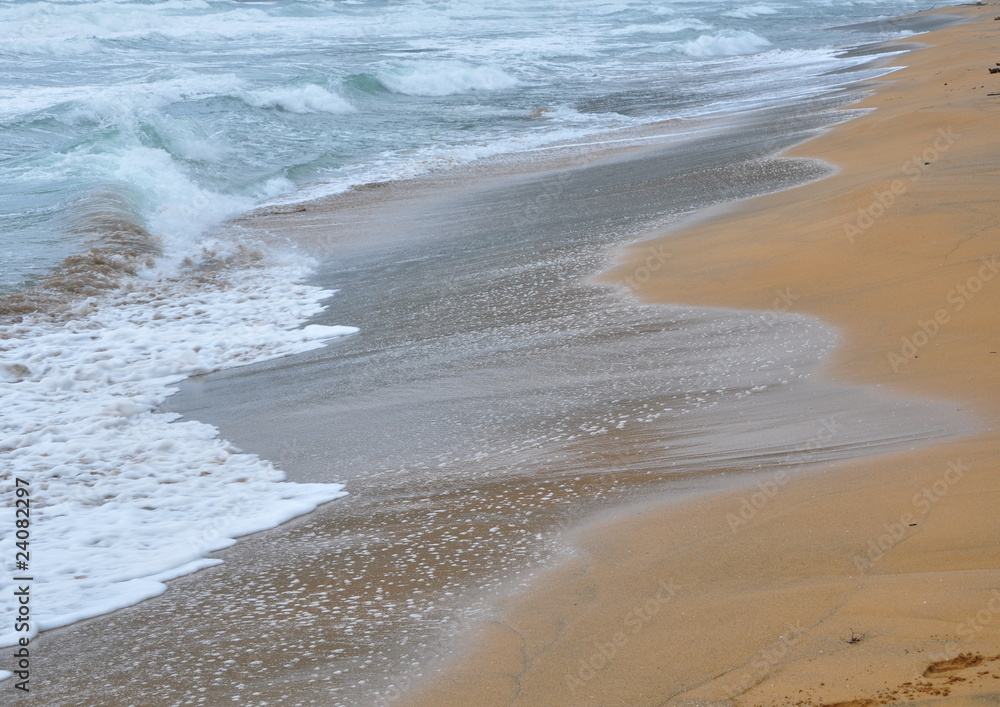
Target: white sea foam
[
  {"x": 122, "y": 497},
  {"x": 121, "y": 103},
  {"x": 523, "y": 52},
  {"x": 178, "y": 209},
  {"x": 298, "y": 99},
  {"x": 52, "y": 47},
  {"x": 670, "y": 27},
  {"x": 124, "y": 104},
  {"x": 115, "y": 103},
  {"x": 566, "y": 126},
  {"x": 724, "y": 44},
  {"x": 444, "y": 78},
  {"x": 746, "y": 12},
  {"x": 276, "y": 187},
  {"x": 189, "y": 142}
]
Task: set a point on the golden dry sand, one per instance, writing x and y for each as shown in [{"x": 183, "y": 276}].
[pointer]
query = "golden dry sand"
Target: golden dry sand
[{"x": 863, "y": 583}]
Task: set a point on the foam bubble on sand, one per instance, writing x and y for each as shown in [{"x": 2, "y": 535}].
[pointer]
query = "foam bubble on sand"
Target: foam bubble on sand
[{"x": 124, "y": 497}]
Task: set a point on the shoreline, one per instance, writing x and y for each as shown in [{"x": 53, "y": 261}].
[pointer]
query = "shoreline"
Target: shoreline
[
  {"x": 860, "y": 609},
  {"x": 357, "y": 636},
  {"x": 306, "y": 523}
]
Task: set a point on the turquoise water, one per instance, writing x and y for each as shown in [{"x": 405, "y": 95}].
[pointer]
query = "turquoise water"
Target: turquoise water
[{"x": 181, "y": 113}]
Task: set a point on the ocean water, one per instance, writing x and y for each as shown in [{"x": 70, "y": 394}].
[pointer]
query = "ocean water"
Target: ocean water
[
  {"x": 129, "y": 130},
  {"x": 174, "y": 115}
]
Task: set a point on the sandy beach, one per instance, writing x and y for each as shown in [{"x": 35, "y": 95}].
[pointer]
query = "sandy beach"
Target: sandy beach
[
  {"x": 654, "y": 417},
  {"x": 859, "y": 583}
]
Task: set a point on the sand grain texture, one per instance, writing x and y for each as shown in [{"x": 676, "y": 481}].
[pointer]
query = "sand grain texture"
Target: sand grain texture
[{"x": 863, "y": 583}]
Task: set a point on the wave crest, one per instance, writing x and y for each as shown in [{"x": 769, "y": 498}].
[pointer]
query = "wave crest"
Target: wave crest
[
  {"x": 444, "y": 79},
  {"x": 724, "y": 44},
  {"x": 747, "y": 12},
  {"x": 118, "y": 245},
  {"x": 298, "y": 99}
]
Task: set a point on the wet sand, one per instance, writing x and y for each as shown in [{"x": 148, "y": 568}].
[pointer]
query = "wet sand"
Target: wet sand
[
  {"x": 496, "y": 399},
  {"x": 865, "y": 582}
]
